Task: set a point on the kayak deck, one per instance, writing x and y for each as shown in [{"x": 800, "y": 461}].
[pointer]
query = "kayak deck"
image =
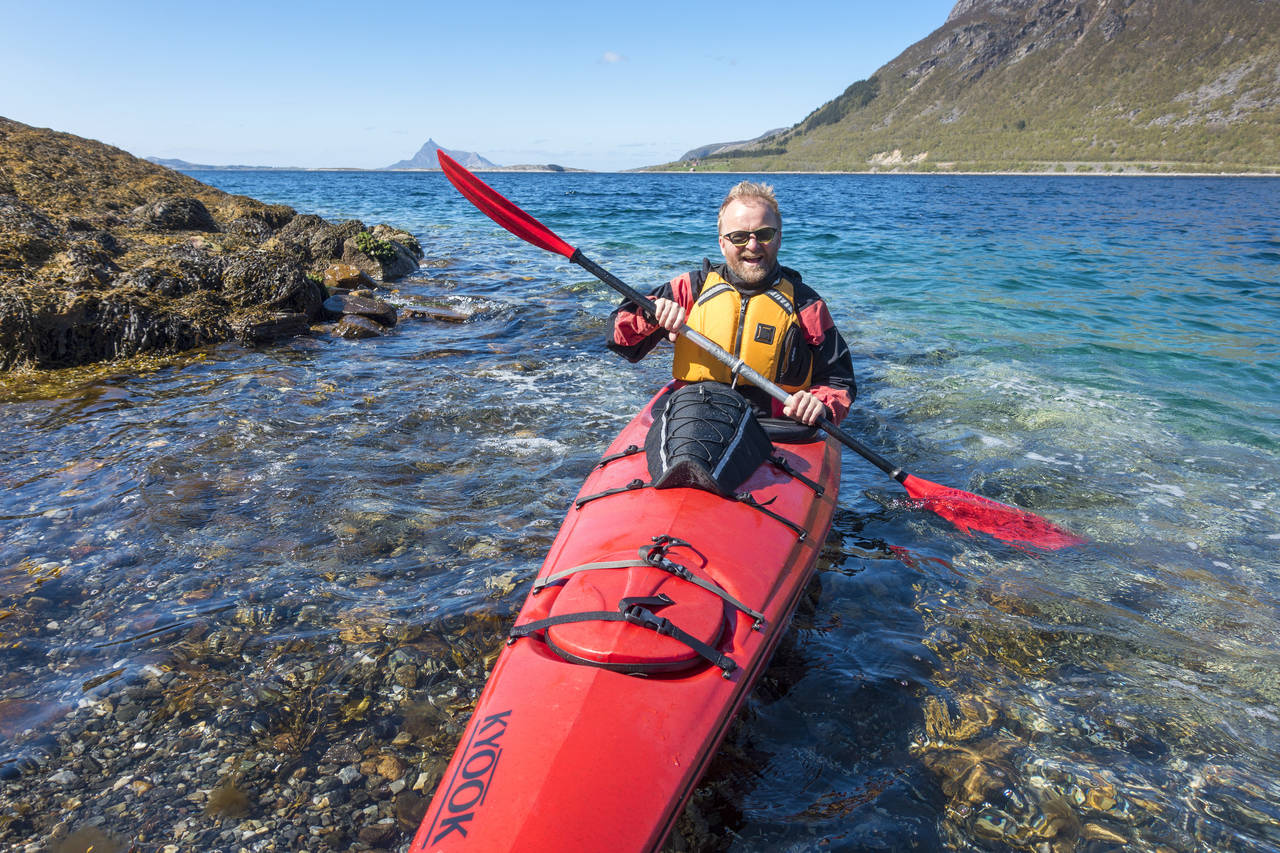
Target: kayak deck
[{"x": 591, "y": 732}]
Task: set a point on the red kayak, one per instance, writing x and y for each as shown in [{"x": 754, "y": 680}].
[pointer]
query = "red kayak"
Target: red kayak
[{"x": 652, "y": 616}]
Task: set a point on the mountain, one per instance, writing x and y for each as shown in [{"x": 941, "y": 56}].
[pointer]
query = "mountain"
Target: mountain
[
  {"x": 715, "y": 148},
  {"x": 183, "y": 165},
  {"x": 426, "y": 158},
  {"x": 1162, "y": 85}
]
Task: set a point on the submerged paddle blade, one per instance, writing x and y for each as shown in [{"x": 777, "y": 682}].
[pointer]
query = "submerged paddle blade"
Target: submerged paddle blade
[
  {"x": 500, "y": 210},
  {"x": 974, "y": 512}
]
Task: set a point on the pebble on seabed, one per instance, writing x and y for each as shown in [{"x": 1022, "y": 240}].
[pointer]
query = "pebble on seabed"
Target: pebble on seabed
[{"x": 323, "y": 745}]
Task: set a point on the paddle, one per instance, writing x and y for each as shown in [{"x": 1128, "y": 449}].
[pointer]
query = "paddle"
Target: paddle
[{"x": 964, "y": 509}]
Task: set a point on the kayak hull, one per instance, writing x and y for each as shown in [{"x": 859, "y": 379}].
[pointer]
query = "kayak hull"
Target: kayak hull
[{"x": 579, "y": 756}]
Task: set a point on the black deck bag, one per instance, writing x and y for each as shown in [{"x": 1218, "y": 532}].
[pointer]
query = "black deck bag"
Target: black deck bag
[{"x": 705, "y": 436}]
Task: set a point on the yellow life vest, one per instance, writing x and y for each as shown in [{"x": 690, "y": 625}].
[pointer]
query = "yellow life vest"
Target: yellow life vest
[{"x": 763, "y": 329}]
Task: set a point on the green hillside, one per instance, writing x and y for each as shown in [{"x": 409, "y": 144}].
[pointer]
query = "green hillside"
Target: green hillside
[{"x": 1055, "y": 85}]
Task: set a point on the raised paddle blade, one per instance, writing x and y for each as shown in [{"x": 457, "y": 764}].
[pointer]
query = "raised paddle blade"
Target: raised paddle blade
[
  {"x": 500, "y": 210},
  {"x": 974, "y": 512}
]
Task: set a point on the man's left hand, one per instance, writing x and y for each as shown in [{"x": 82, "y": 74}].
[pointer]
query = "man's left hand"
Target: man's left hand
[{"x": 804, "y": 407}]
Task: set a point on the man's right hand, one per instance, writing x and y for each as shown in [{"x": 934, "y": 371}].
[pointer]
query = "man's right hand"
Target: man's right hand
[{"x": 670, "y": 315}]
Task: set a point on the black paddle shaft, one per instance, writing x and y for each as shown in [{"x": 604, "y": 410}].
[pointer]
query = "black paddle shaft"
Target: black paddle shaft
[{"x": 735, "y": 364}]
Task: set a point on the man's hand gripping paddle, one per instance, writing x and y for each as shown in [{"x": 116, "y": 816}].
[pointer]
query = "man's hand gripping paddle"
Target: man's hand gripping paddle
[{"x": 964, "y": 509}]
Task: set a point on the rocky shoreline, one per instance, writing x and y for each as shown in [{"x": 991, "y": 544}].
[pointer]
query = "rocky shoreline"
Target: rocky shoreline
[
  {"x": 220, "y": 743},
  {"x": 104, "y": 256}
]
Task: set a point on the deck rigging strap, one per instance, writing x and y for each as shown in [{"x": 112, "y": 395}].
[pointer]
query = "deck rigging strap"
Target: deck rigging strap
[
  {"x": 750, "y": 500},
  {"x": 780, "y": 462},
  {"x": 656, "y": 556},
  {"x": 637, "y": 612},
  {"x": 629, "y": 487},
  {"x": 630, "y": 450}
]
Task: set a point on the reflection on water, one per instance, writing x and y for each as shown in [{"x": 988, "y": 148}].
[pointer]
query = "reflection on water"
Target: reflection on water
[{"x": 295, "y": 564}]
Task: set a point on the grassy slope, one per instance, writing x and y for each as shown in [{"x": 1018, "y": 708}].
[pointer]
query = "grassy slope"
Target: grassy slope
[{"x": 1180, "y": 86}]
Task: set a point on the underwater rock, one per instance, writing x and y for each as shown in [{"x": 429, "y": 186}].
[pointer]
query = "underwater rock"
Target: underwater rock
[{"x": 347, "y": 305}]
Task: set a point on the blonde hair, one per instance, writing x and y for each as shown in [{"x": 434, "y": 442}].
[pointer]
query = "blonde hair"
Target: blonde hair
[{"x": 750, "y": 191}]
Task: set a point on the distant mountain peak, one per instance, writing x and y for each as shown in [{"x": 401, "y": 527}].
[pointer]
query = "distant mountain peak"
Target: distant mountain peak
[{"x": 426, "y": 158}]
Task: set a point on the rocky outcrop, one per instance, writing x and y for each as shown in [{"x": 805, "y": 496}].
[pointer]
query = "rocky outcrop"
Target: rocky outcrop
[{"x": 104, "y": 255}]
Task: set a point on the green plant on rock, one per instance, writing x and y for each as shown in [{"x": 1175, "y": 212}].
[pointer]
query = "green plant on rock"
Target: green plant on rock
[{"x": 374, "y": 247}]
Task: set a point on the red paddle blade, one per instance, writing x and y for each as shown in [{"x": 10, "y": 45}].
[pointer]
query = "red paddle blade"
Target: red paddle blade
[
  {"x": 500, "y": 210},
  {"x": 974, "y": 512}
]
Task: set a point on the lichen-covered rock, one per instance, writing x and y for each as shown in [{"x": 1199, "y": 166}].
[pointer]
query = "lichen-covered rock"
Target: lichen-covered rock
[
  {"x": 103, "y": 255},
  {"x": 398, "y": 235},
  {"x": 381, "y": 254}
]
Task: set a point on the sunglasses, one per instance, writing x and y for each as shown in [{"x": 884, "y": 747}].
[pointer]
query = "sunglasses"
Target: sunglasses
[{"x": 764, "y": 236}]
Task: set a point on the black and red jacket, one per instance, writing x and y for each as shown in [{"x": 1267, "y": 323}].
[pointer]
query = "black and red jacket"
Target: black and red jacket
[{"x": 634, "y": 336}]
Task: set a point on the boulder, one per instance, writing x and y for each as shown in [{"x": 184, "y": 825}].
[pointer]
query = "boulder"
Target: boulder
[
  {"x": 176, "y": 214},
  {"x": 346, "y": 304},
  {"x": 269, "y": 281},
  {"x": 345, "y": 277},
  {"x": 381, "y": 254},
  {"x": 271, "y": 327},
  {"x": 355, "y": 326}
]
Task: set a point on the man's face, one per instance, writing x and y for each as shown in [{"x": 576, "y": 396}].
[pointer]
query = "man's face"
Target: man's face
[{"x": 753, "y": 262}]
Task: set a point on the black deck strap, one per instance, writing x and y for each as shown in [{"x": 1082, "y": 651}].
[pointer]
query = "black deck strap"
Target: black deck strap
[
  {"x": 631, "y": 450},
  {"x": 629, "y": 487},
  {"x": 656, "y": 556},
  {"x": 750, "y": 500},
  {"x": 787, "y": 468},
  {"x": 635, "y": 611}
]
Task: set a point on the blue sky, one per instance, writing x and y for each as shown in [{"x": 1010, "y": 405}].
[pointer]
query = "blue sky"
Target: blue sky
[{"x": 596, "y": 85}]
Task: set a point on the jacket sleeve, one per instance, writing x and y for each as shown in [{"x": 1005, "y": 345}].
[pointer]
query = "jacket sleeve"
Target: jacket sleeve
[
  {"x": 833, "y": 380},
  {"x": 632, "y": 335}
]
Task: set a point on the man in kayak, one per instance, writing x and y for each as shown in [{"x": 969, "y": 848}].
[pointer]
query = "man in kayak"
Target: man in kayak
[{"x": 756, "y": 309}]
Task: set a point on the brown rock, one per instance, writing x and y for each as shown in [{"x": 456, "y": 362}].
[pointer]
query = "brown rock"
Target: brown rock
[
  {"x": 347, "y": 304},
  {"x": 345, "y": 277},
  {"x": 355, "y": 327}
]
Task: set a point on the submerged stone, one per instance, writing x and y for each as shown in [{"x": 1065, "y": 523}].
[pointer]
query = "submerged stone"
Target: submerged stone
[
  {"x": 355, "y": 327},
  {"x": 346, "y": 304}
]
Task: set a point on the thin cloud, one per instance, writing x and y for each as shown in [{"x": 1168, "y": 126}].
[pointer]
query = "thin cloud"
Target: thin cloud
[{"x": 611, "y": 57}]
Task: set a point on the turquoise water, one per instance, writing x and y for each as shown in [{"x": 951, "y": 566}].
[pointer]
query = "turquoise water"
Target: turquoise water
[{"x": 1102, "y": 351}]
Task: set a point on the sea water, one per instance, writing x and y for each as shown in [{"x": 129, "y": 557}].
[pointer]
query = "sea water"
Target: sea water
[{"x": 1102, "y": 351}]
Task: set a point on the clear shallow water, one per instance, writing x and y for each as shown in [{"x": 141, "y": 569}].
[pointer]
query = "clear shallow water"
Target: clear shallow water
[{"x": 1100, "y": 351}]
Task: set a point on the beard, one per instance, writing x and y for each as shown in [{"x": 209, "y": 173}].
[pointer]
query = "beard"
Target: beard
[{"x": 748, "y": 273}]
